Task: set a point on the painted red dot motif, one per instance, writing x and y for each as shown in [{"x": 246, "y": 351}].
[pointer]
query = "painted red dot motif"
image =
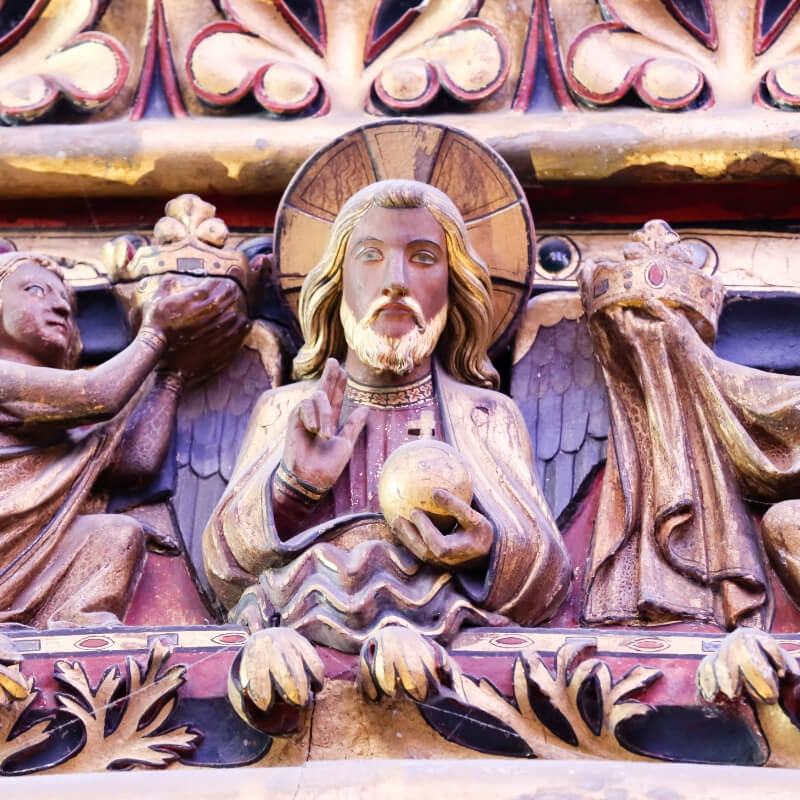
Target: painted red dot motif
[
  {"x": 511, "y": 641},
  {"x": 94, "y": 642},
  {"x": 648, "y": 645},
  {"x": 229, "y": 638},
  {"x": 656, "y": 275}
]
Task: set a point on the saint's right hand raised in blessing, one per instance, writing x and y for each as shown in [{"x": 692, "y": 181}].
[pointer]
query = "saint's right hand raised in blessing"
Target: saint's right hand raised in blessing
[{"x": 316, "y": 449}]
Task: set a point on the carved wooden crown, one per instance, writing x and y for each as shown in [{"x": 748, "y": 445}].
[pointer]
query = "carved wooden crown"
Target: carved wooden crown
[
  {"x": 656, "y": 267},
  {"x": 188, "y": 240}
]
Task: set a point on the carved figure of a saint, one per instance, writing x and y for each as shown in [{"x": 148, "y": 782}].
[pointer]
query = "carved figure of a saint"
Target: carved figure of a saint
[
  {"x": 61, "y": 564},
  {"x": 693, "y": 439},
  {"x": 396, "y": 319}
]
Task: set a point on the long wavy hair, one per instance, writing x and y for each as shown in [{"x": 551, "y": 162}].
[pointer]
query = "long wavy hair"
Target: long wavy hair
[
  {"x": 463, "y": 346},
  {"x": 11, "y": 261}
]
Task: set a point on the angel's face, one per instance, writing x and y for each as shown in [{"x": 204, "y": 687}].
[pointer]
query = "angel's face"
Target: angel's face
[{"x": 37, "y": 321}]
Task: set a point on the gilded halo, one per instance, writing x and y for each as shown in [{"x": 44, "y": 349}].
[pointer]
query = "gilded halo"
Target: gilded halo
[{"x": 479, "y": 182}]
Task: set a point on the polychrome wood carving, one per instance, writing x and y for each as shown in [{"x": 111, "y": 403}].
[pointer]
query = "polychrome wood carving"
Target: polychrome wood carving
[
  {"x": 474, "y": 523},
  {"x": 293, "y": 64},
  {"x": 676, "y": 55},
  {"x": 45, "y": 57}
]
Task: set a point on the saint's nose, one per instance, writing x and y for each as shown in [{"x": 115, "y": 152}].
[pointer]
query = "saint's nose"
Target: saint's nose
[
  {"x": 395, "y": 277},
  {"x": 60, "y": 306}
]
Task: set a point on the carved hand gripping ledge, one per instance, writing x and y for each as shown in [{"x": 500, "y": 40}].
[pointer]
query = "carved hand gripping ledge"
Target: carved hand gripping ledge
[
  {"x": 550, "y": 712},
  {"x": 278, "y": 671},
  {"x": 275, "y": 675},
  {"x": 750, "y": 664},
  {"x": 397, "y": 659}
]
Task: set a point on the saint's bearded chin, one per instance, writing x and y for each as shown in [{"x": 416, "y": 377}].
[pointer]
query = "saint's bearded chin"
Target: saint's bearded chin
[{"x": 398, "y": 355}]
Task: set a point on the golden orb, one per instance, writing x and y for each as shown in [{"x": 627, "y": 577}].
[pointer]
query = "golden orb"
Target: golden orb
[{"x": 413, "y": 472}]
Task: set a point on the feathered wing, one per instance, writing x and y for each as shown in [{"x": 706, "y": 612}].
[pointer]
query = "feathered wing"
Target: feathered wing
[
  {"x": 212, "y": 419},
  {"x": 558, "y": 386}
]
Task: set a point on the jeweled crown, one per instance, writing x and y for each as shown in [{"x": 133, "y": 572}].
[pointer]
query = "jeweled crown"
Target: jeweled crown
[
  {"x": 656, "y": 267},
  {"x": 189, "y": 240}
]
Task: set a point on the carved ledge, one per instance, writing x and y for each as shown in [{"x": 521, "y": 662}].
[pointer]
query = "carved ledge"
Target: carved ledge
[
  {"x": 254, "y": 156},
  {"x": 515, "y": 692},
  {"x": 239, "y": 58}
]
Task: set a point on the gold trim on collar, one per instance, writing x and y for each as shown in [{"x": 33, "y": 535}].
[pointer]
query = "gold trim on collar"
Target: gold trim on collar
[{"x": 410, "y": 394}]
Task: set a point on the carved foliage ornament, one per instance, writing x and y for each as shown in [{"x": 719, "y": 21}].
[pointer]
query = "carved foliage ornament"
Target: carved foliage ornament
[
  {"x": 50, "y": 54},
  {"x": 124, "y": 717},
  {"x": 396, "y": 660},
  {"x": 330, "y": 60},
  {"x": 675, "y": 54}
]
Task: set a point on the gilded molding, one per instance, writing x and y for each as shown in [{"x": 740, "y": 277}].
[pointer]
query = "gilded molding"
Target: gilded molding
[{"x": 518, "y": 67}]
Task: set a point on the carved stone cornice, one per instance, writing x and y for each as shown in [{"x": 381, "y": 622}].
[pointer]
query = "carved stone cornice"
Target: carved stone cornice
[
  {"x": 167, "y": 157},
  {"x": 251, "y": 76}
]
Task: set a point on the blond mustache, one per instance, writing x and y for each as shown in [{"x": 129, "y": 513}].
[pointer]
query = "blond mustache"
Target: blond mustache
[{"x": 379, "y": 303}]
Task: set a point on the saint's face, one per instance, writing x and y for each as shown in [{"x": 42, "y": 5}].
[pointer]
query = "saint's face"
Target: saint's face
[
  {"x": 394, "y": 258},
  {"x": 36, "y": 314}
]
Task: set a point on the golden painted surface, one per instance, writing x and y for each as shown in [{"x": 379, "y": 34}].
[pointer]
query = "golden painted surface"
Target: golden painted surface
[
  {"x": 736, "y": 138},
  {"x": 166, "y": 157},
  {"x": 413, "y": 471},
  {"x": 346, "y": 726}
]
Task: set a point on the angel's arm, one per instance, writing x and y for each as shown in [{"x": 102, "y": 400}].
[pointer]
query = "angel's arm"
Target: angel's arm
[{"x": 32, "y": 395}]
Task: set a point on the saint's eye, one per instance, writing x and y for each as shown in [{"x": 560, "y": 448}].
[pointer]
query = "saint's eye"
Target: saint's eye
[
  {"x": 370, "y": 254},
  {"x": 424, "y": 257},
  {"x": 35, "y": 289}
]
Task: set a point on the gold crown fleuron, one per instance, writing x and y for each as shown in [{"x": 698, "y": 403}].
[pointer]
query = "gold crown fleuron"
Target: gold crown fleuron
[
  {"x": 656, "y": 267},
  {"x": 189, "y": 240}
]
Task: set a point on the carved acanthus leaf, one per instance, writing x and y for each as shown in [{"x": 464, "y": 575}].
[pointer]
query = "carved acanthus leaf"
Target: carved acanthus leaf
[
  {"x": 59, "y": 57},
  {"x": 563, "y": 688},
  {"x": 671, "y": 61},
  {"x": 19, "y": 693},
  {"x": 137, "y": 739},
  {"x": 262, "y": 47}
]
